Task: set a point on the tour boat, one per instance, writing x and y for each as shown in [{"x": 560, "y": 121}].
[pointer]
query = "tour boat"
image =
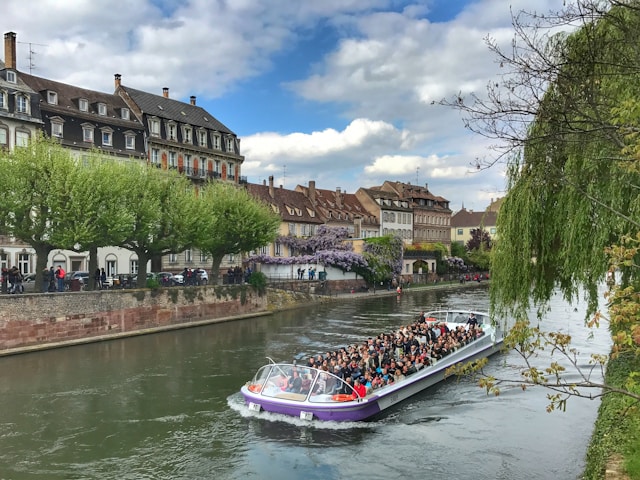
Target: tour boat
[{"x": 267, "y": 390}]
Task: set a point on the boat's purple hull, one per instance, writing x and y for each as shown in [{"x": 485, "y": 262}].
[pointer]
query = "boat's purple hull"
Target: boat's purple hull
[{"x": 376, "y": 402}]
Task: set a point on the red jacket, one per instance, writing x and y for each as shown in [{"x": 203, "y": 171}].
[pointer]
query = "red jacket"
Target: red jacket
[{"x": 360, "y": 391}]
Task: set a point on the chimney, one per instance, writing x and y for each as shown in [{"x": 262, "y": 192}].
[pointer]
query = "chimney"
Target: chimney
[
  {"x": 271, "y": 194},
  {"x": 192, "y": 99},
  {"x": 117, "y": 80},
  {"x": 10, "y": 50},
  {"x": 312, "y": 192},
  {"x": 338, "y": 197},
  {"x": 165, "y": 92}
]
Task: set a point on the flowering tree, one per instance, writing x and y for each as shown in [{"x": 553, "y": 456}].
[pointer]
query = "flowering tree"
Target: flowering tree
[
  {"x": 326, "y": 247},
  {"x": 384, "y": 258}
]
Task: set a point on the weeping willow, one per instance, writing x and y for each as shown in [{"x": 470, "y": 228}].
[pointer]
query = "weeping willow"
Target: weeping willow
[{"x": 574, "y": 189}]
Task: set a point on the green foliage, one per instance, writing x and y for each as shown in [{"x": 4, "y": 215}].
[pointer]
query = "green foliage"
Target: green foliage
[
  {"x": 384, "y": 259},
  {"x": 235, "y": 222},
  {"x": 572, "y": 192},
  {"x": 458, "y": 250},
  {"x": 258, "y": 281},
  {"x": 480, "y": 258},
  {"x": 153, "y": 283}
]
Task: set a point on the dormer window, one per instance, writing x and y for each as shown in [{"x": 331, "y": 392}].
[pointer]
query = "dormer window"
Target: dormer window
[
  {"x": 215, "y": 140},
  {"x": 124, "y": 113},
  {"x": 187, "y": 135},
  {"x": 202, "y": 138},
  {"x": 52, "y": 98},
  {"x": 4, "y": 104},
  {"x": 154, "y": 127},
  {"x": 83, "y": 104},
  {"x": 11, "y": 76},
  {"x": 107, "y": 136},
  {"x": 102, "y": 109},
  {"x": 130, "y": 140},
  {"x": 22, "y": 103},
  {"x": 171, "y": 131},
  {"x": 87, "y": 132},
  {"x": 230, "y": 144},
  {"x": 56, "y": 127}
]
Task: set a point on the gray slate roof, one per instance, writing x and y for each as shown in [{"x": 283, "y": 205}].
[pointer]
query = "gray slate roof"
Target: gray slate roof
[{"x": 160, "y": 106}]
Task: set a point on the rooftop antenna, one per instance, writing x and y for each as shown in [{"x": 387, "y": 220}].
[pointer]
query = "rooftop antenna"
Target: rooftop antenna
[
  {"x": 32, "y": 52},
  {"x": 417, "y": 171}
]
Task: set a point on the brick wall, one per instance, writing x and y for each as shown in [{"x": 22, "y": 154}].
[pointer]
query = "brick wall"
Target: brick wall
[{"x": 45, "y": 320}]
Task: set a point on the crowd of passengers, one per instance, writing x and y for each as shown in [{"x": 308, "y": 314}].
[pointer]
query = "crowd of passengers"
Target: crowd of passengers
[{"x": 383, "y": 360}]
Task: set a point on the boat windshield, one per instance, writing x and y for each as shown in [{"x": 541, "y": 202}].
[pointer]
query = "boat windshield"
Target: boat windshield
[{"x": 296, "y": 382}]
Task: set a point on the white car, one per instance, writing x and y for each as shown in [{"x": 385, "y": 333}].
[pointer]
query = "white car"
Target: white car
[{"x": 202, "y": 276}]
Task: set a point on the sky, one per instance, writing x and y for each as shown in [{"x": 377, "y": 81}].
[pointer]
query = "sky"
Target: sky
[{"x": 336, "y": 91}]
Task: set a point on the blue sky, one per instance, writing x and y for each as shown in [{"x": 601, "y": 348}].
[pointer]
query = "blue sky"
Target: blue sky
[{"x": 336, "y": 91}]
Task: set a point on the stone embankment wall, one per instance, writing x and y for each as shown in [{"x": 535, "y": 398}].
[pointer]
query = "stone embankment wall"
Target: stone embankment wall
[{"x": 32, "y": 322}]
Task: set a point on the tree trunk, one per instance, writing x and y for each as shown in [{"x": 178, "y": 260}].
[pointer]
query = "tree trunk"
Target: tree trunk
[
  {"x": 42, "y": 257},
  {"x": 93, "y": 265},
  {"x": 143, "y": 259},
  {"x": 214, "y": 277}
]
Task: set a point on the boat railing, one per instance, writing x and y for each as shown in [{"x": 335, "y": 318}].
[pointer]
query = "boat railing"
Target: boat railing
[{"x": 314, "y": 385}]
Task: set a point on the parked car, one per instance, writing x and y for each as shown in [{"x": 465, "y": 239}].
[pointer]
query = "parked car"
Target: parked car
[
  {"x": 166, "y": 279},
  {"x": 202, "y": 277},
  {"x": 29, "y": 278},
  {"x": 83, "y": 277},
  {"x": 178, "y": 279}
]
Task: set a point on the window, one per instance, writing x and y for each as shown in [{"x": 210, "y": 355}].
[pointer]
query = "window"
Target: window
[
  {"x": 171, "y": 131},
  {"x": 52, "y": 98},
  {"x": 130, "y": 141},
  {"x": 24, "y": 263},
  {"x": 492, "y": 230},
  {"x": 22, "y": 139},
  {"x": 230, "y": 171},
  {"x": 22, "y": 104},
  {"x": 83, "y": 103},
  {"x": 187, "y": 162},
  {"x": 216, "y": 141},
  {"x": 133, "y": 266},
  {"x": 11, "y": 76},
  {"x": 216, "y": 166},
  {"x": 203, "y": 171},
  {"x": 3, "y": 100},
  {"x": 124, "y": 114},
  {"x": 230, "y": 144},
  {"x": 278, "y": 249},
  {"x": 459, "y": 231},
  {"x": 203, "y": 257},
  {"x": 107, "y": 137},
  {"x": 173, "y": 258},
  {"x": 172, "y": 160},
  {"x": 102, "y": 109},
  {"x": 87, "y": 133},
  {"x": 154, "y": 127},
  {"x": 155, "y": 156},
  {"x": 56, "y": 127},
  {"x": 292, "y": 229},
  {"x": 188, "y": 256},
  {"x": 186, "y": 135},
  {"x": 4, "y": 137},
  {"x": 111, "y": 267},
  {"x": 202, "y": 138}
]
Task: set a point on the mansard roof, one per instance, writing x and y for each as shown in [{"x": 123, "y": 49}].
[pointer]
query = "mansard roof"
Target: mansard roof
[
  {"x": 68, "y": 101},
  {"x": 164, "y": 107},
  {"x": 292, "y": 206}
]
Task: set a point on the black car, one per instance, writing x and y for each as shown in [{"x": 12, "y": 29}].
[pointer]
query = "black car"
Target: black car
[{"x": 83, "y": 277}]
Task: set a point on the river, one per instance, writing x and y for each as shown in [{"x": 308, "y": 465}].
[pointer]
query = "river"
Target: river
[{"x": 166, "y": 406}]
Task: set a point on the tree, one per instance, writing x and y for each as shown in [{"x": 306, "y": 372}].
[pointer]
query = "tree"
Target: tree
[
  {"x": 163, "y": 210},
  {"x": 92, "y": 214},
  {"x": 480, "y": 240},
  {"x": 34, "y": 194},
  {"x": 234, "y": 223},
  {"x": 565, "y": 116},
  {"x": 384, "y": 258}
]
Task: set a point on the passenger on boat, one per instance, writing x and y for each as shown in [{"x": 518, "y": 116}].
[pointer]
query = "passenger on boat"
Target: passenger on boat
[
  {"x": 472, "y": 321},
  {"x": 359, "y": 390},
  {"x": 295, "y": 382}
]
